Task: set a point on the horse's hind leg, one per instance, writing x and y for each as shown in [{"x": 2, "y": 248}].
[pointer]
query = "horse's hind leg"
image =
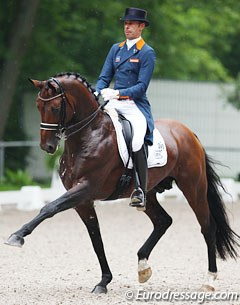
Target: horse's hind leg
[
  {"x": 89, "y": 217},
  {"x": 161, "y": 221},
  {"x": 196, "y": 195},
  {"x": 209, "y": 233}
]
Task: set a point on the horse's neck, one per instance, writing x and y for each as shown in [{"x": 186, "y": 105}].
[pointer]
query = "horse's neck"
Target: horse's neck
[
  {"x": 85, "y": 103},
  {"x": 83, "y": 149},
  {"x": 79, "y": 97},
  {"x": 87, "y": 137}
]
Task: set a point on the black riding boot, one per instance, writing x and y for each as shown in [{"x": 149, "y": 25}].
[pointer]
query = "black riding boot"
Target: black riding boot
[{"x": 138, "y": 197}]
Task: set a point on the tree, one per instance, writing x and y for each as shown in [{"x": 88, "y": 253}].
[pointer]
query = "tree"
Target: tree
[
  {"x": 193, "y": 41},
  {"x": 233, "y": 96},
  {"x": 17, "y": 41}
]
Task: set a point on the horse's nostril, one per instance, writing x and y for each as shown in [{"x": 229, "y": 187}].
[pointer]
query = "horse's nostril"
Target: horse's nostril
[{"x": 50, "y": 149}]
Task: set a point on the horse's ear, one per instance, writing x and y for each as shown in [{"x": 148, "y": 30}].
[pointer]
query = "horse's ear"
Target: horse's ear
[{"x": 38, "y": 84}]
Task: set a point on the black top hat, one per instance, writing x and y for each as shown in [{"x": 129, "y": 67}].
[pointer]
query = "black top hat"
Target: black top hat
[{"x": 135, "y": 14}]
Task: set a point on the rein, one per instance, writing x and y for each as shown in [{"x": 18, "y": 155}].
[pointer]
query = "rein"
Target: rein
[
  {"x": 88, "y": 120},
  {"x": 60, "y": 127}
]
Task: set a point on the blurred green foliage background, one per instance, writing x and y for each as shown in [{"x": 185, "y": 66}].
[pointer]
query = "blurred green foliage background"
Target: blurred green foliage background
[{"x": 193, "y": 40}]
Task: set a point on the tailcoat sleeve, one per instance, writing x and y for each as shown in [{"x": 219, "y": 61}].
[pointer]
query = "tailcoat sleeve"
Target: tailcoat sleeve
[{"x": 107, "y": 72}]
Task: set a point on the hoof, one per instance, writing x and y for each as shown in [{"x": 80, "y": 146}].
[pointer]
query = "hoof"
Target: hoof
[
  {"x": 144, "y": 275},
  {"x": 14, "y": 240},
  {"x": 144, "y": 271},
  {"x": 207, "y": 288},
  {"x": 208, "y": 285},
  {"x": 99, "y": 289}
]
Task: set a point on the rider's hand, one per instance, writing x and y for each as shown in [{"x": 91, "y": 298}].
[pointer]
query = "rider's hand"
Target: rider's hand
[
  {"x": 96, "y": 94},
  {"x": 109, "y": 94}
]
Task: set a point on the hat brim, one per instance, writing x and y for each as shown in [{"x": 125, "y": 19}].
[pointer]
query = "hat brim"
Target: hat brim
[{"x": 131, "y": 18}]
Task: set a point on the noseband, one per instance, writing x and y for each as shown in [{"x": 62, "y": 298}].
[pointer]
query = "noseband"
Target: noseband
[{"x": 60, "y": 127}]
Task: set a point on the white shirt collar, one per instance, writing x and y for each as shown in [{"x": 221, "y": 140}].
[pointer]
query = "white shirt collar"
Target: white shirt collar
[{"x": 132, "y": 42}]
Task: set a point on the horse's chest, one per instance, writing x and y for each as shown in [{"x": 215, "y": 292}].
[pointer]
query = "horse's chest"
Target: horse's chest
[{"x": 68, "y": 171}]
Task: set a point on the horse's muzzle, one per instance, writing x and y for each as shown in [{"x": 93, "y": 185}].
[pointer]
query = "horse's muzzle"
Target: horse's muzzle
[{"x": 49, "y": 147}]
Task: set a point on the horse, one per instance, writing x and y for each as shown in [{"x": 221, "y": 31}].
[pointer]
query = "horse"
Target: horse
[{"x": 90, "y": 169}]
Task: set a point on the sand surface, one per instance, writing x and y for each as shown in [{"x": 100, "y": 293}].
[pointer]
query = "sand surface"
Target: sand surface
[{"x": 57, "y": 264}]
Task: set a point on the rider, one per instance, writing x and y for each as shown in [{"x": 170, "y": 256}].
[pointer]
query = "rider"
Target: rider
[{"x": 131, "y": 63}]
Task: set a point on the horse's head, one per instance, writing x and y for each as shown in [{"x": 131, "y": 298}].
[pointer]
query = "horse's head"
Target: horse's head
[
  {"x": 66, "y": 104},
  {"x": 55, "y": 110}
]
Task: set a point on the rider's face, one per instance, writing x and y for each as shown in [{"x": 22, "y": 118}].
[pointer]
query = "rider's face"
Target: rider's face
[{"x": 133, "y": 29}]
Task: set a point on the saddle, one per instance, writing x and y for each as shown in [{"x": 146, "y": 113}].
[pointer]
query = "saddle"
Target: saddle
[
  {"x": 127, "y": 131},
  {"x": 126, "y": 177},
  {"x": 157, "y": 153}
]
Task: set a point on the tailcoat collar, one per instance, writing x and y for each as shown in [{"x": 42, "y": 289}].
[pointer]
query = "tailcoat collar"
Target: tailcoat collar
[{"x": 139, "y": 44}]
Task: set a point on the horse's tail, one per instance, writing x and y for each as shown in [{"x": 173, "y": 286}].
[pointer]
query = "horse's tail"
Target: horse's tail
[{"x": 226, "y": 239}]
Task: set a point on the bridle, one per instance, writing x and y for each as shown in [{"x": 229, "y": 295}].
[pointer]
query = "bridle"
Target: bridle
[{"x": 60, "y": 127}]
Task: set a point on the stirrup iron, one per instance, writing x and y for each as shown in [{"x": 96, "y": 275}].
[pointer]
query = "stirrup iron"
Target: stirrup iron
[{"x": 138, "y": 201}]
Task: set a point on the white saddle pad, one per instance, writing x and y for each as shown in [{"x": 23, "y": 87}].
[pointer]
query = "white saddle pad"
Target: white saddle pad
[{"x": 157, "y": 153}]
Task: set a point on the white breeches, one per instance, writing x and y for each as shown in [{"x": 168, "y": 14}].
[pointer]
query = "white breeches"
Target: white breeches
[{"x": 129, "y": 109}]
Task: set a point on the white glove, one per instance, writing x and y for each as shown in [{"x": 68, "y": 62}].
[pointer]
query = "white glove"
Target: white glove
[
  {"x": 96, "y": 93},
  {"x": 109, "y": 94}
]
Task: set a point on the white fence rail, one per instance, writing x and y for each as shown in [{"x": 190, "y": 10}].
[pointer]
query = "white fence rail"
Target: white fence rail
[{"x": 33, "y": 197}]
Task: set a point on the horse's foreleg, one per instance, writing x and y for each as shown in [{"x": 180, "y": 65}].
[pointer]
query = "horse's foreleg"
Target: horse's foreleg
[
  {"x": 89, "y": 217},
  {"x": 68, "y": 200},
  {"x": 161, "y": 221}
]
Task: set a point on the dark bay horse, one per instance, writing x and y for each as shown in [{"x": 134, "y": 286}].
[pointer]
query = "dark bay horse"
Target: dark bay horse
[{"x": 91, "y": 167}]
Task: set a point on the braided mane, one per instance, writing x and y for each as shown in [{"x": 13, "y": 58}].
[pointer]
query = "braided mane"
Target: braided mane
[{"x": 80, "y": 78}]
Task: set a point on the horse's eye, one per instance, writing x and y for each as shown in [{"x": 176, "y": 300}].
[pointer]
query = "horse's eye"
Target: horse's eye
[{"x": 55, "y": 110}]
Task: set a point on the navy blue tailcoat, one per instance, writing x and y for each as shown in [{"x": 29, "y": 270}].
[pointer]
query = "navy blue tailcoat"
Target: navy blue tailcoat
[{"x": 132, "y": 71}]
